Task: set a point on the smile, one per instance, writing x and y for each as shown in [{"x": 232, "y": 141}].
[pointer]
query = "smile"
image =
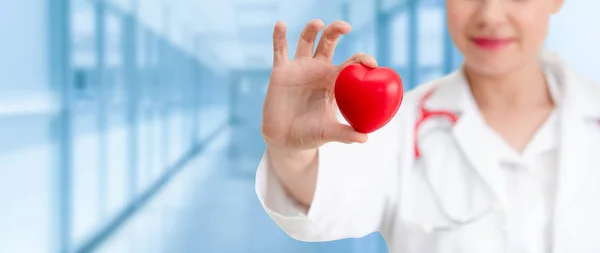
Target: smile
[{"x": 491, "y": 43}]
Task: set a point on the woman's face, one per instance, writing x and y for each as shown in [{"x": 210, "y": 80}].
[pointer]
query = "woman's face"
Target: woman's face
[{"x": 496, "y": 36}]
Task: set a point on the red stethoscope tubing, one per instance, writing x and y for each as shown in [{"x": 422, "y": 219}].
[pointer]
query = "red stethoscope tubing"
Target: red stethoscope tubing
[{"x": 425, "y": 115}]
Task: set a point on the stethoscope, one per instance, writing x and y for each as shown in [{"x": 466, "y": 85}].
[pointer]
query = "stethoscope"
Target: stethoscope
[{"x": 425, "y": 114}]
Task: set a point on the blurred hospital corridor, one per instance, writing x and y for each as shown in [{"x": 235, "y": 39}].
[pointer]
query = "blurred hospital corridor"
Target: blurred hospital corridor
[
  {"x": 213, "y": 211},
  {"x": 134, "y": 126}
]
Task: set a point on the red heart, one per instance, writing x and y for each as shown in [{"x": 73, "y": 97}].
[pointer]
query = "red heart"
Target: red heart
[{"x": 368, "y": 98}]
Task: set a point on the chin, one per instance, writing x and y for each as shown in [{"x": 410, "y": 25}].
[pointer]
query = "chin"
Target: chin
[
  {"x": 488, "y": 69},
  {"x": 492, "y": 65}
]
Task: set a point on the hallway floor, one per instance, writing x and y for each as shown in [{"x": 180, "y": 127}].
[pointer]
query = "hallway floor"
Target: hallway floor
[{"x": 211, "y": 207}]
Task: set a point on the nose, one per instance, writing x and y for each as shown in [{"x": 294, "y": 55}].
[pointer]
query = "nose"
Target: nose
[{"x": 492, "y": 14}]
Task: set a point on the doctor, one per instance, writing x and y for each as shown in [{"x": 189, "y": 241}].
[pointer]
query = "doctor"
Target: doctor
[{"x": 508, "y": 160}]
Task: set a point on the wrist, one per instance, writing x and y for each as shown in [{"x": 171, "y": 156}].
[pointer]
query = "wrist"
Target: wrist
[{"x": 291, "y": 159}]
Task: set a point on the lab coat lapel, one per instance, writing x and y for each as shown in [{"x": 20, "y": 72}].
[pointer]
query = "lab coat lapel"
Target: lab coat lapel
[
  {"x": 478, "y": 148},
  {"x": 578, "y": 191},
  {"x": 470, "y": 132}
]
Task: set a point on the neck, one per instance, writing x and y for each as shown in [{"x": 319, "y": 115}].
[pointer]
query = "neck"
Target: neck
[{"x": 522, "y": 88}]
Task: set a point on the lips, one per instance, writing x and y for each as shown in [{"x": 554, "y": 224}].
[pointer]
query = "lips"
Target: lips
[{"x": 491, "y": 43}]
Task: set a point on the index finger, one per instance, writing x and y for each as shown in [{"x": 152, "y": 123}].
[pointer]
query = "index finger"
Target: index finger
[
  {"x": 280, "y": 47},
  {"x": 330, "y": 38}
]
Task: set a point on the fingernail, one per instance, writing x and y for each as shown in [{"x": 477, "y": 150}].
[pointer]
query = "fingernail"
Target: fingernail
[{"x": 373, "y": 62}]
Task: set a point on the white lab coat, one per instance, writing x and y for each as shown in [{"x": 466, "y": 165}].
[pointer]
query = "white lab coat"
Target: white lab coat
[{"x": 449, "y": 201}]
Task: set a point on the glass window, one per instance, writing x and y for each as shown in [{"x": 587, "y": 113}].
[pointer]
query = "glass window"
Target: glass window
[
  {"x": 86, "y": 137},
  {"x": 400, "y": 38},
  {"x": 144, "y": 110},
  {"x": 117, "y": 147},
  {"x": 362, "y": 13},
  {"x": 431, "y": 36}
]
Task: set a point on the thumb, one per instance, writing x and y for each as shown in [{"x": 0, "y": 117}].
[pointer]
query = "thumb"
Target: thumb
[
  {"x": 362, "y": 58},
  {"x": 344, "y": 134}
]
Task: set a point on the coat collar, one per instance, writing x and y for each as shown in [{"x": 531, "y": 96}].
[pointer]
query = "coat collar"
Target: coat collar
[
  {"x": 569, "y": 89},
  {"x": 575, "y": 93},
  {"x": 452, "y": 93}
]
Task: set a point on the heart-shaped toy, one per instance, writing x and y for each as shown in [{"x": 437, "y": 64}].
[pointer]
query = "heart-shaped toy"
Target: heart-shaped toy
[{"x": 368, "y": 98}]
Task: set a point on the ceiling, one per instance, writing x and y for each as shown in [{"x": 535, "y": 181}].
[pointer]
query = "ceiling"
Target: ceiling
[
  {"x": 237, "y": 33},
  {"x": 230, "y": 34}
]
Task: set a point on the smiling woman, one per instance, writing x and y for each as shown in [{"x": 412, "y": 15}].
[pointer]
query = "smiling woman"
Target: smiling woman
[
  {"x": 485, "y": 175},
  {"x": 512, "y": 31}
]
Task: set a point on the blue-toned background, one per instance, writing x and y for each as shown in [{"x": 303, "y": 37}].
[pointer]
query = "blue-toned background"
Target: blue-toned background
[{"x": 134, "y": 126}]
